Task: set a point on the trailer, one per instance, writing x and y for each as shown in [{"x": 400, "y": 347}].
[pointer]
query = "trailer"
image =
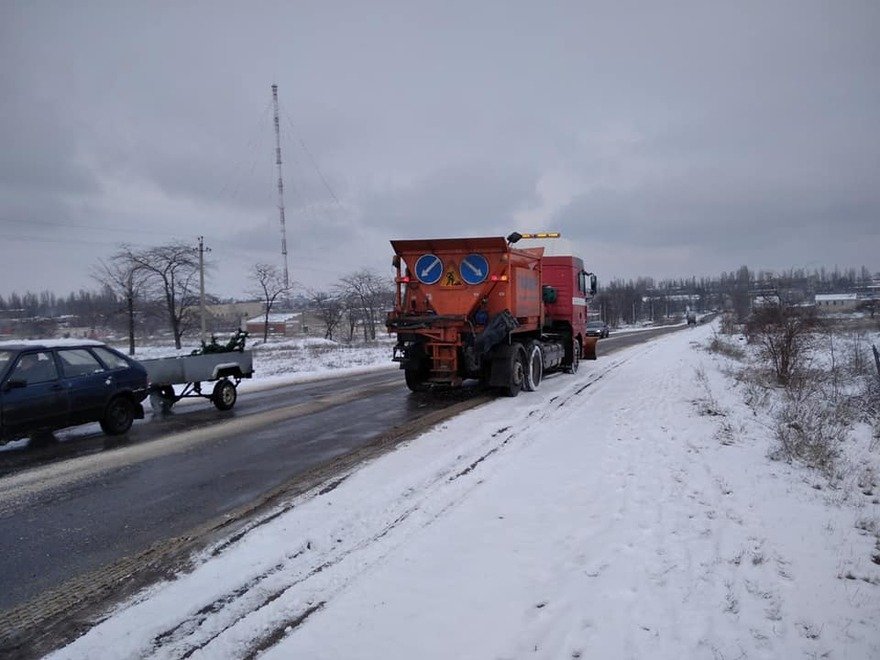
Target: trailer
[
  {"x": 483, "y": 308},
  {"x": 224, "y": 369}
]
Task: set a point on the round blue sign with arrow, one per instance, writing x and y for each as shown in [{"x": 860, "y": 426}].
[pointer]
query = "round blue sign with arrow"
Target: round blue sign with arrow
[
  {"x": 474, "y": 268},
  {"x": 429, "y": 268}
]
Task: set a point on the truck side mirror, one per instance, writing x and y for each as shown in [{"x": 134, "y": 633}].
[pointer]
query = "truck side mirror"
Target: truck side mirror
[{"x": 593, "y": 283}]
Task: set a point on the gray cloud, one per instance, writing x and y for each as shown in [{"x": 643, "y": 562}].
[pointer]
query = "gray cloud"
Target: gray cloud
[
  {"x": 465, "y": 200},
  {"x": 662, "y": 139}
]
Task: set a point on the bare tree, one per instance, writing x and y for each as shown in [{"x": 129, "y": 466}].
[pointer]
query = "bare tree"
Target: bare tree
[
  {"x": 330, "y": 310},
  {"x": 269, "y": 286},
  {"x": 173, "y": 271},
  {"x": 784, "y": 335},
  {"x": 371, "y": 293},
  {"x": 353, "y": 314},
  {"x": 127, "y": 279}
]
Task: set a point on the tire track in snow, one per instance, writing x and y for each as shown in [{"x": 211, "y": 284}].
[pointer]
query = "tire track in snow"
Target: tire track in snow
[{"x": 224, "y": 616}]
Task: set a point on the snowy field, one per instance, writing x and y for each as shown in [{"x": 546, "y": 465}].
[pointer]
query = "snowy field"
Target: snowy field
[{"x": 630, "y": 511}]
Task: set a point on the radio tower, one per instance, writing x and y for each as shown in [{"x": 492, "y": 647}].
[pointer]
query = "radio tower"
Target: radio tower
[{"x": 281, "y": 191}]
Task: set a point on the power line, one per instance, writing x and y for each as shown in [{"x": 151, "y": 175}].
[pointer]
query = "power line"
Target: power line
[
  {"x": 313, "y": 161},
  {"x": 74, "y": 225},
  {"x": 255, "y": 146},
  {"x": 39, "y": 239}
]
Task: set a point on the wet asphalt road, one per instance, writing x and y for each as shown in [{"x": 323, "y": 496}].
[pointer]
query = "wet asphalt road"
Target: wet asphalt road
[{"x": 74, "y": 507}]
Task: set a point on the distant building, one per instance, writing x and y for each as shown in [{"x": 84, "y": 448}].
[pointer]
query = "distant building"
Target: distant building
[
  {"x": 767, "y": 300},
  {"x": 229, "y": 317},
  {"x": 279, "y": 323},
  {"x": 837, "y": 302}
]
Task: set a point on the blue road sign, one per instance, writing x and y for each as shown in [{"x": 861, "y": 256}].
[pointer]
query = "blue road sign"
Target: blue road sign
[
  {"x": 474, "y": 268},
  {"x": 429, "y": 268}
]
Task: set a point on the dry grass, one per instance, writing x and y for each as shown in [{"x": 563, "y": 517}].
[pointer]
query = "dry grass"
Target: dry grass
[
  {"x": 810, "y": 428},
  {"x": 725, "y": 347}
]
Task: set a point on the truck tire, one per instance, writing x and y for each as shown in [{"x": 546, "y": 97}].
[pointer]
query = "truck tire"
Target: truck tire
[
  {"x": 415, "y": 379},
  {"x": 533, "y": 367},
  {"x": 224, "y": 395},
  {"x": 572, "y": 367},
  {"x": 118, "y": 417},
  {"x": 515, "y": 372}
]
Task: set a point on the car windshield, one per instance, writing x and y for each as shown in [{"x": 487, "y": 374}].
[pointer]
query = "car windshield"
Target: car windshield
[
  {"x": 595, "y": 324},
  {"x": 5, "y": 357}
]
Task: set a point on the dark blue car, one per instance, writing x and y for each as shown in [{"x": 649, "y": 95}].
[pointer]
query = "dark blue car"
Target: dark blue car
[{"x": 51, "y": 385}]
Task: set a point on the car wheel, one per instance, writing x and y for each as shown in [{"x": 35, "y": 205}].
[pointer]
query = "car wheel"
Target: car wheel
[
  {"x": 224, "y": 395},
  {"x": 118, "y": 417}
]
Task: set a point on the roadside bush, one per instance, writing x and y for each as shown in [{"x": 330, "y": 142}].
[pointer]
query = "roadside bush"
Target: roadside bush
[
  {"x": 810, "y": 429},
  {"x": 729, "y": 326},
  {"x": 868, "y": 405},
  {"x": 784, "y": 337},
  {"x": 857, "y": 354},
  {"x": 706, "y": 405}
]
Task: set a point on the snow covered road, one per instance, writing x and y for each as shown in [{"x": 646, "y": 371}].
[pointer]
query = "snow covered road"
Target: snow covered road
[{"x": 601, "y": 517}]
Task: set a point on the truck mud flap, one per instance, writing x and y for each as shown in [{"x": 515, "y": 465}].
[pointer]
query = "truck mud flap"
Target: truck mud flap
[{"x": 589, "y": 348}]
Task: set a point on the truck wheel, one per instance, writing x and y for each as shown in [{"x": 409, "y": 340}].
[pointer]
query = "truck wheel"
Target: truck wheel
[
  {"x": 515, "y": 372},
  {"x": 118, "y": 417},
  {"x": 572, "y": 367},
  {"x": 224, "y": 395},
  {"x": 534, "y": 367},
  {"x": 415, "y": 379}
]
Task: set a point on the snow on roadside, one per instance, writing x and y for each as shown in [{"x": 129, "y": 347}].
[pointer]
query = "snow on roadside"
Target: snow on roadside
[
  {"x": 297, "y": 360},
  {"x": 605, "y": 515}
]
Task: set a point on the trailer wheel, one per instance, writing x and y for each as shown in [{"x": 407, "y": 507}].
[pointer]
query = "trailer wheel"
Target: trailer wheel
[
  {"x": 534, "y": 367},
  {"x": 572, "y": 367},
  {"x": 224, "y": 395},
  {"x": 515, "y": 372},
  {"x": 118, "y": 417}
]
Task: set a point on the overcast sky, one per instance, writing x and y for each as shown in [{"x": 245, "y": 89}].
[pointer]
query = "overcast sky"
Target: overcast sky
[{"x": 661, "y": 138}]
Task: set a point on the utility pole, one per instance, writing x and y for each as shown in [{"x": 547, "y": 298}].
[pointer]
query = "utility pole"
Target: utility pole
[
  {"x": 202, "y": 249},
  {"x": 280, "y": 190}
]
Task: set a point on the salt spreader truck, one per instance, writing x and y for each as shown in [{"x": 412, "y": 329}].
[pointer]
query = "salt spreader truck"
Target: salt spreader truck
[{"x": 482, "y": 308}]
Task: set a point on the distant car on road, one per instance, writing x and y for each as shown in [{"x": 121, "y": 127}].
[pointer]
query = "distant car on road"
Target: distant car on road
[
  {"x": 597, "y": 329},
  {"x": 45, "y": 386}
]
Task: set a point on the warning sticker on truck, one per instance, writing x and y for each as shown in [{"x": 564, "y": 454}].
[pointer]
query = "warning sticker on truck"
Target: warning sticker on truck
[{"x": 451, "y": 277}]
